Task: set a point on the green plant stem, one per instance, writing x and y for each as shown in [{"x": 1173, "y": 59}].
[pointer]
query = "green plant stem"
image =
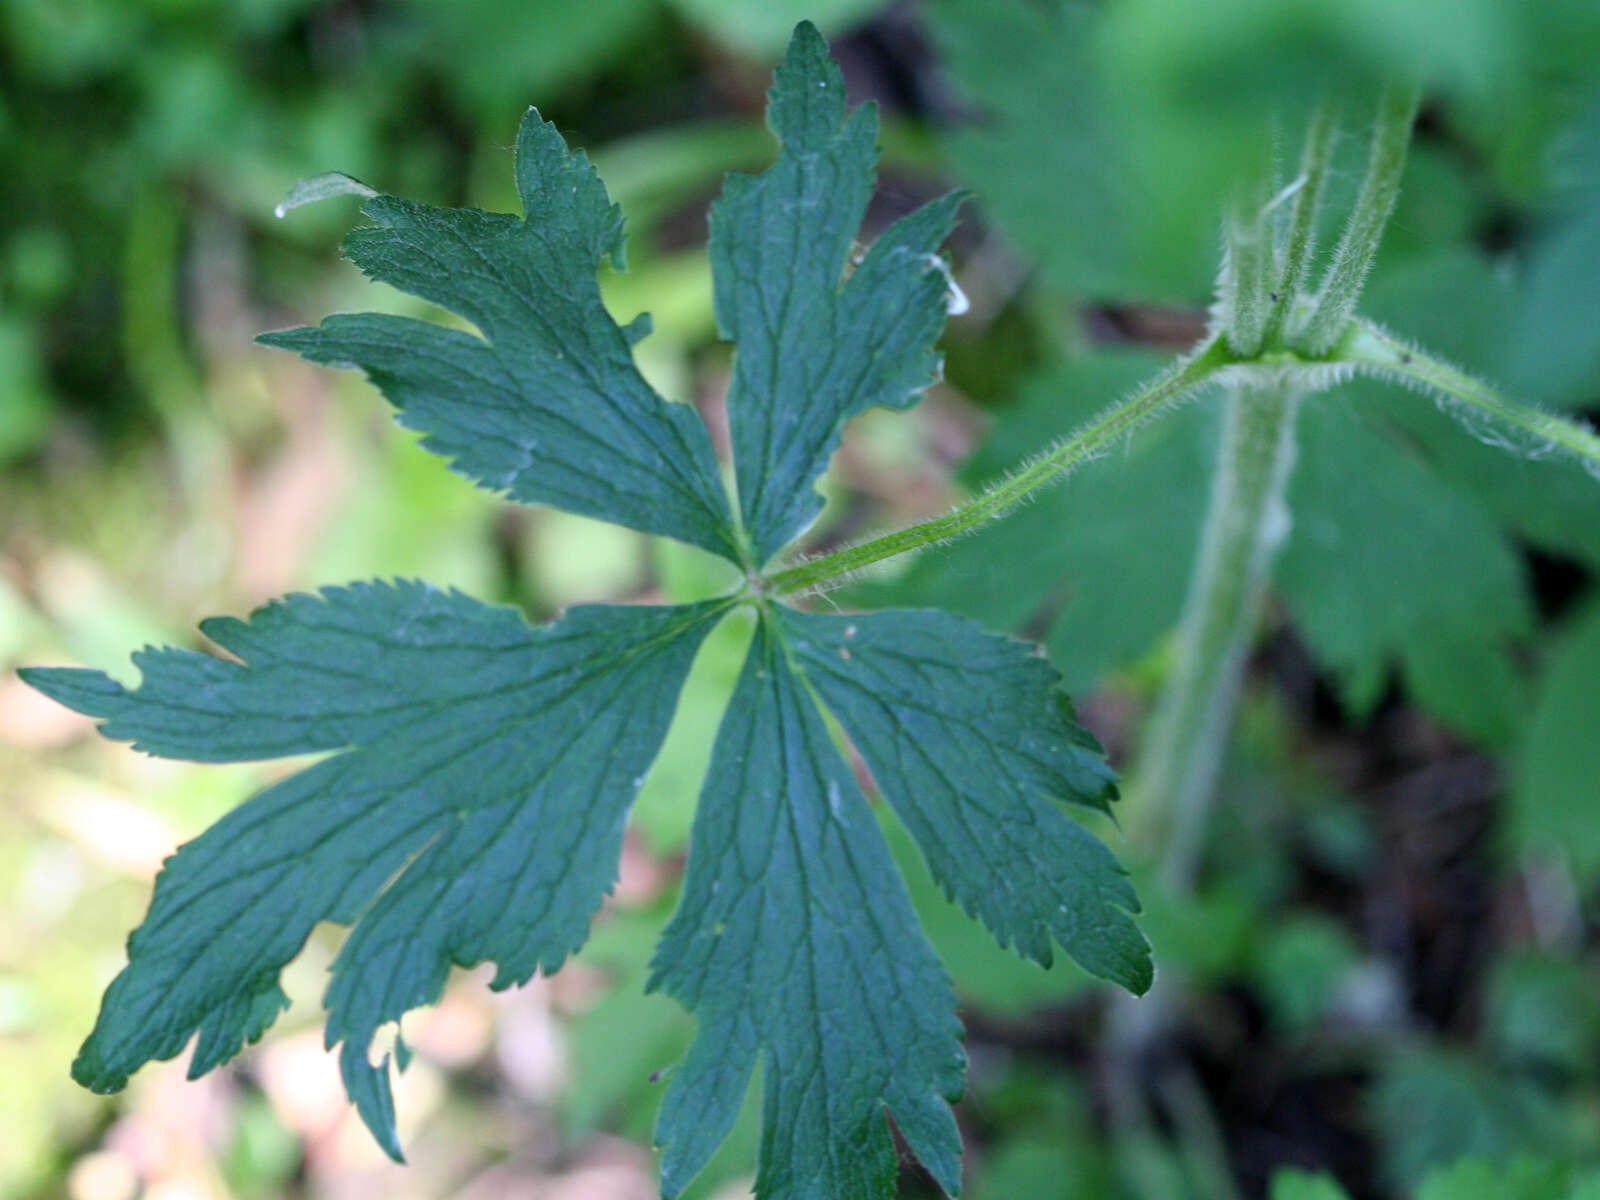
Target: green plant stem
[
  {"x": 1368, "y": 346},
  {"x": 1245, "y": 522},
  {"x": 1336, "y": 302},
  {"x": 1301, "y": 242},
  {"x": 1245, "y": 286},
  {"x": 1163, "y": 392}
]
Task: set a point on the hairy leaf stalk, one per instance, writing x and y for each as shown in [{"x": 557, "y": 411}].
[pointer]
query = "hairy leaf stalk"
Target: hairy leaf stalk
[
  {"x": 1300, "y": 244},
  {"x": 1246, "y": 522},
  {"x": 1341, "y": 288},
  {"x": 1161, "y": 394}
]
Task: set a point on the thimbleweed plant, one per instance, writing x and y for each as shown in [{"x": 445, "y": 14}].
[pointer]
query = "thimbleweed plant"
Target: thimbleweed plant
[{"x": 478, "y": 770}]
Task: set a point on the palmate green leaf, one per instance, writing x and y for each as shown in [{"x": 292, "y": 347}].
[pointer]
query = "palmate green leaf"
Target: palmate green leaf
[
  {"x": 547, "y": 405},
  {"x": 481, "y": 770},
  {"x": 474, "y": 808}
]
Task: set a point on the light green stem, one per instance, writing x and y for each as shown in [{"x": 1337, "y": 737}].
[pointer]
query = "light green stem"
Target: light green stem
[
  {"x": 1163, "y": 392},
  {"x": 1245, "y": 281},
  {"x": 1336, "y": 303},
  {"x": 1301, "y": 243},
  {"x": 1368, "y": 345},
  {"x": 1245, "y": 522}
]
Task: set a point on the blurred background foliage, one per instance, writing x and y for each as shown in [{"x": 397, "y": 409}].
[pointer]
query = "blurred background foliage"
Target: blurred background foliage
[{"x": 1386, "y": 970}]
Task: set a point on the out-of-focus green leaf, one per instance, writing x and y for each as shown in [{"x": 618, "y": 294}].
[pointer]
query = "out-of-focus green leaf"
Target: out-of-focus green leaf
[
  {"x": 1209, "y": 936},
  {"x": 1043, "y": 1165},
  {"x": 1541, "y": 1012},
  {"x": 1555, "y": 790},
  {"x": 1523, "y": 1178},
  {"x": 1431, "y": 1107},
  {"x": 1384, "y": 563},
  {"x": 406, "y": 514},
  {"x": 1044, "y": 157},
  {"x": 1301, "y": 966},
  {"x": 1557, "y": 346},
  {"x": 1460, "y": 306},
  {"x": 761, "y": 30},
  {"x": 621, "y": 1050},
  {"x": 627, "y": 1035},
  {"x": 499, "y": 54},
  {"x": 1556, "y": 49},
  {"x": 25, "y": 402},
  {"x": 1101, "y": 562},
  {"x": 1291, "y": 1183},
  {"x": 1109, "y": 137}
]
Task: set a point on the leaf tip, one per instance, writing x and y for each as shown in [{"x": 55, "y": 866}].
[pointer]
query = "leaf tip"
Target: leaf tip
[
  {"x": 89, "y": 1071},
  {"x": 82, "y": 690},
  {"x": 806, "y": 39},
  {"x": 1142, "y": 976},
  {"x": 806, "y": 105}
]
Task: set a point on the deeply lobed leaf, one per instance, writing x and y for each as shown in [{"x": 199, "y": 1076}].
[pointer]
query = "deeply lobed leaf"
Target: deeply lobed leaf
[{"x": 480, "y": 772}]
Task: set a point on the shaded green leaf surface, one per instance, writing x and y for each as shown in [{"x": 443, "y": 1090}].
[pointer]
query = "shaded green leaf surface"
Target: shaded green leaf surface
[{"x": 1385, "y": 563}]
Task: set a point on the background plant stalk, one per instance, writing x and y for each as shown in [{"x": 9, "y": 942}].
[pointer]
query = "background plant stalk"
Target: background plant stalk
[{"x": 1246, "y": 521}]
